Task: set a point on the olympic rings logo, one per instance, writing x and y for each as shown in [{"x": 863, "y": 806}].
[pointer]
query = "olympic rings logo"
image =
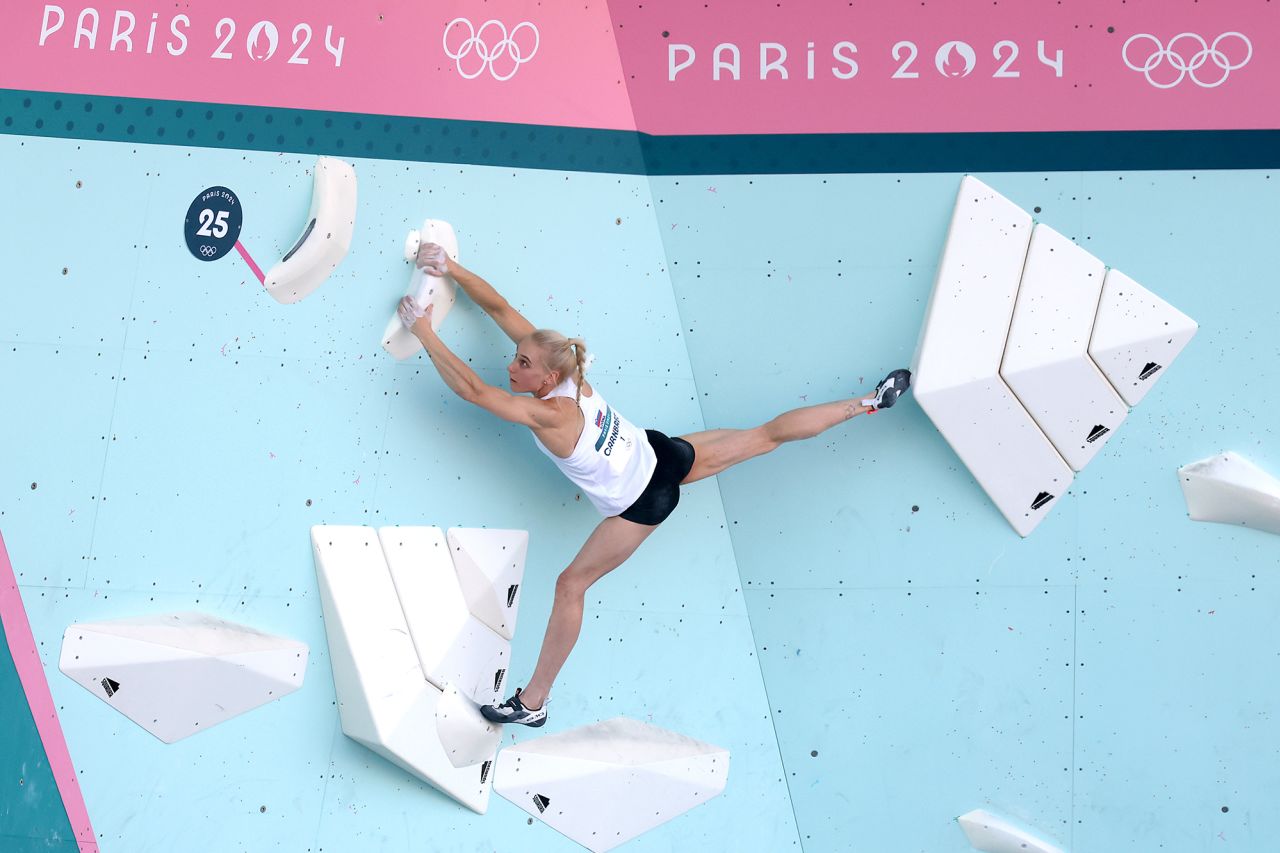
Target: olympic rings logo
[
  {"x": 1188, "y": 67},
  {"x": 496, "y": 58},
  {"x": 208, "y": 251}
]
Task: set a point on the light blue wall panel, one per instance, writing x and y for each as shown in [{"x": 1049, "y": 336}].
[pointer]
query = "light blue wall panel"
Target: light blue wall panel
[
  {"x": 58, "y": 400},
  {"x": 840, "y": 269},
  {"x": 856, "y": 595},
  {"x": 1176, "y": 746},
  {"x": 899, "y": 709},
  {"x": 218, "y": 426}
]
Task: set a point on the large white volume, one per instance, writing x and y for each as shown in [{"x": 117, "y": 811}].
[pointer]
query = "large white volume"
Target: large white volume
[
  {"x": 490, "y": 566},
  {"x": 176, "y": 674},
  {"x": 994, "y": 834},
  {"x": 426, "y": 289},
  {"x": 605, "y": 784},
  {"x": 326, "y": 236},
  {"x": 1046, "y": 360},
  {"x": 1136, "y": 336},
  {"x": 957, "y": 363},
  {"x": 384, "y": 699},
  {"x": 454, "y": 647},
  {"x": 1230, "y": 489}
]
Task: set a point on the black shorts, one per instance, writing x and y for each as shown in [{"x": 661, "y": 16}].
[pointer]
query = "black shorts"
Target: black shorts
[{"x": 659, "y": 498}]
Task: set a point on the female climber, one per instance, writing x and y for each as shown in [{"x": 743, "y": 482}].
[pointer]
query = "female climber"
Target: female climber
[{"x": 632, "y": 476}]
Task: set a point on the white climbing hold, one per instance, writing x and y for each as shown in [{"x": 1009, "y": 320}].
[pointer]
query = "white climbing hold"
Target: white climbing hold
[
  {"x": 490, "y": 566},
  {"x": 326, "y": 236},
  {"x": 1046, "y": 360},
  {"x": 993, "y": 834},
  {"x": 453, "y": 646},
  {"x": 426, "y": 289},
  {"x": 1229, "y": 489},
  {"x": 605, "y": 784},
  {"x": 384, "y": 699},
  {"x": 176, "y": 674},
  {"x": 957, "y": 363},
  {"x": 1136, "y": 336},
  {"x": 1022, "y": 365}
]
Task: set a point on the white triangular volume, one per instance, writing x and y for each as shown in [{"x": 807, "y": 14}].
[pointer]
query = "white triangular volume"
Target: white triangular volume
[
  {"x": 426, "y": 289},
  {"x": 468, "y": 739},
  {"x": 1046, "y": 361},
  {"x": 326, "y": 235},
  {"x": 993, "y": 834},
  {"x": 490, "y": 567},
  {"x": 454, "y": 647},
  {"x": 957, "y": 363},
  {"x": 1137, "y": 336},
  {"x": 1230, "y": 489},
  {"x": 384, "y": 700},
  {"x": 177, "y": 674},
  {"x": 605, "y": 784}
]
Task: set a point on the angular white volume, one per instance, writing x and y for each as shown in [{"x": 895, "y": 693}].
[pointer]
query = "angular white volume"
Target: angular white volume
[
  {"x": 1230, "y": 489},
  {"x": 490, "y": 566},
  {"x": 1136, "y": 336},
  {"x": 176, "y": 674},
  {"x": 993, "y": 834},
  {"x": 454, "y": 647},
  {"x": 384, "y": 699},
  {"x": 957, "y": 363},
  {"x": 326, "y": 236},
  {"x": 605, "y": 784},
  {"x": 1046, "y": 360},
  {"x": 440, "y": 291},
  {"x": 468, "y": 738}
]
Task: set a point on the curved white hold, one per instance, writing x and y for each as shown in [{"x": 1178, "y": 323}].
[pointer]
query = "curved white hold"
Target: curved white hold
[
  {"x": 468, "y": 738},
  {"x": 176, "y": 674},
  {"x": 490, "y": 566},
  {"x": 326, "y": 236},
  {"x": 957, "y": 364},
  {"x": 1046, "y": 360},
  {"x": 993, "y": 834},
  {"x": 1229, "y": 489},
  {"x": 605, "y": 784},
  {"x": 440, "y": 291},
  {"x": 1136, "y": 336}
]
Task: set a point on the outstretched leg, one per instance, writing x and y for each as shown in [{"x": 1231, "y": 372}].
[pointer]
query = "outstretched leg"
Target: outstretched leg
[
  {"x": 608, "y": 546},
  {"x": 718, "y": 449}
]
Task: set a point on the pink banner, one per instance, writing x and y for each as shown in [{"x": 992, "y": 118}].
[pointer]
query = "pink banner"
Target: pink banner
[
  {"x": 668, "y": 66},
  {"x": 957, "y": 65},
  {"x": 515, "y": 61}
]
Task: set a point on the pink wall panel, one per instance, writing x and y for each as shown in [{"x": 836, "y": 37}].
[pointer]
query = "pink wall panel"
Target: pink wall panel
[
  {"x": 1096, "y": 90},
  {"x": 395, "y": 56},
  {"x": 849, "y": 67}
]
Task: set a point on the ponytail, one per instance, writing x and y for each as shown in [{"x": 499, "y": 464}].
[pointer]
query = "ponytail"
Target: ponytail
[
  {"x": 580, "y": 363},
  {"x": 565, "y": 356}
]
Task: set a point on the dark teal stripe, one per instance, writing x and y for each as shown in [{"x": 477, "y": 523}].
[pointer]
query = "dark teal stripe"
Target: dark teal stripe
[
  {"x": 32, "y": 816},
  {"x": 894, "y": 153},
  {"x": 188, "y": 123},
  {"x": 621, "y": 152}
]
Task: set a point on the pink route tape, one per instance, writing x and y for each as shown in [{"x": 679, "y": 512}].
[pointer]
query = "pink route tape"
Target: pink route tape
[
  {"x": 26, "y": 660},
  {"x": 244, "y": 253}
]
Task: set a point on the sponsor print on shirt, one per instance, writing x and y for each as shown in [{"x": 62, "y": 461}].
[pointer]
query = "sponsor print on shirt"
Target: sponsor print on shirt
[{"x": 609, "y": 425}]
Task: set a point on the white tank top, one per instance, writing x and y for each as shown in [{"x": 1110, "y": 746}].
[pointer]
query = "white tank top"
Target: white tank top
[{"x": 612, "y": 461}]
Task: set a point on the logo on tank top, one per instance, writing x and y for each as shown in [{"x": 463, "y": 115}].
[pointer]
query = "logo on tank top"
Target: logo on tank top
[{"x": 609, "y": 425}]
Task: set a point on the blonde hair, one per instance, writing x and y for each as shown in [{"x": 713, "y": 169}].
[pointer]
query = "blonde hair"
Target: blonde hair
[{"x": 565, "y": 356}]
